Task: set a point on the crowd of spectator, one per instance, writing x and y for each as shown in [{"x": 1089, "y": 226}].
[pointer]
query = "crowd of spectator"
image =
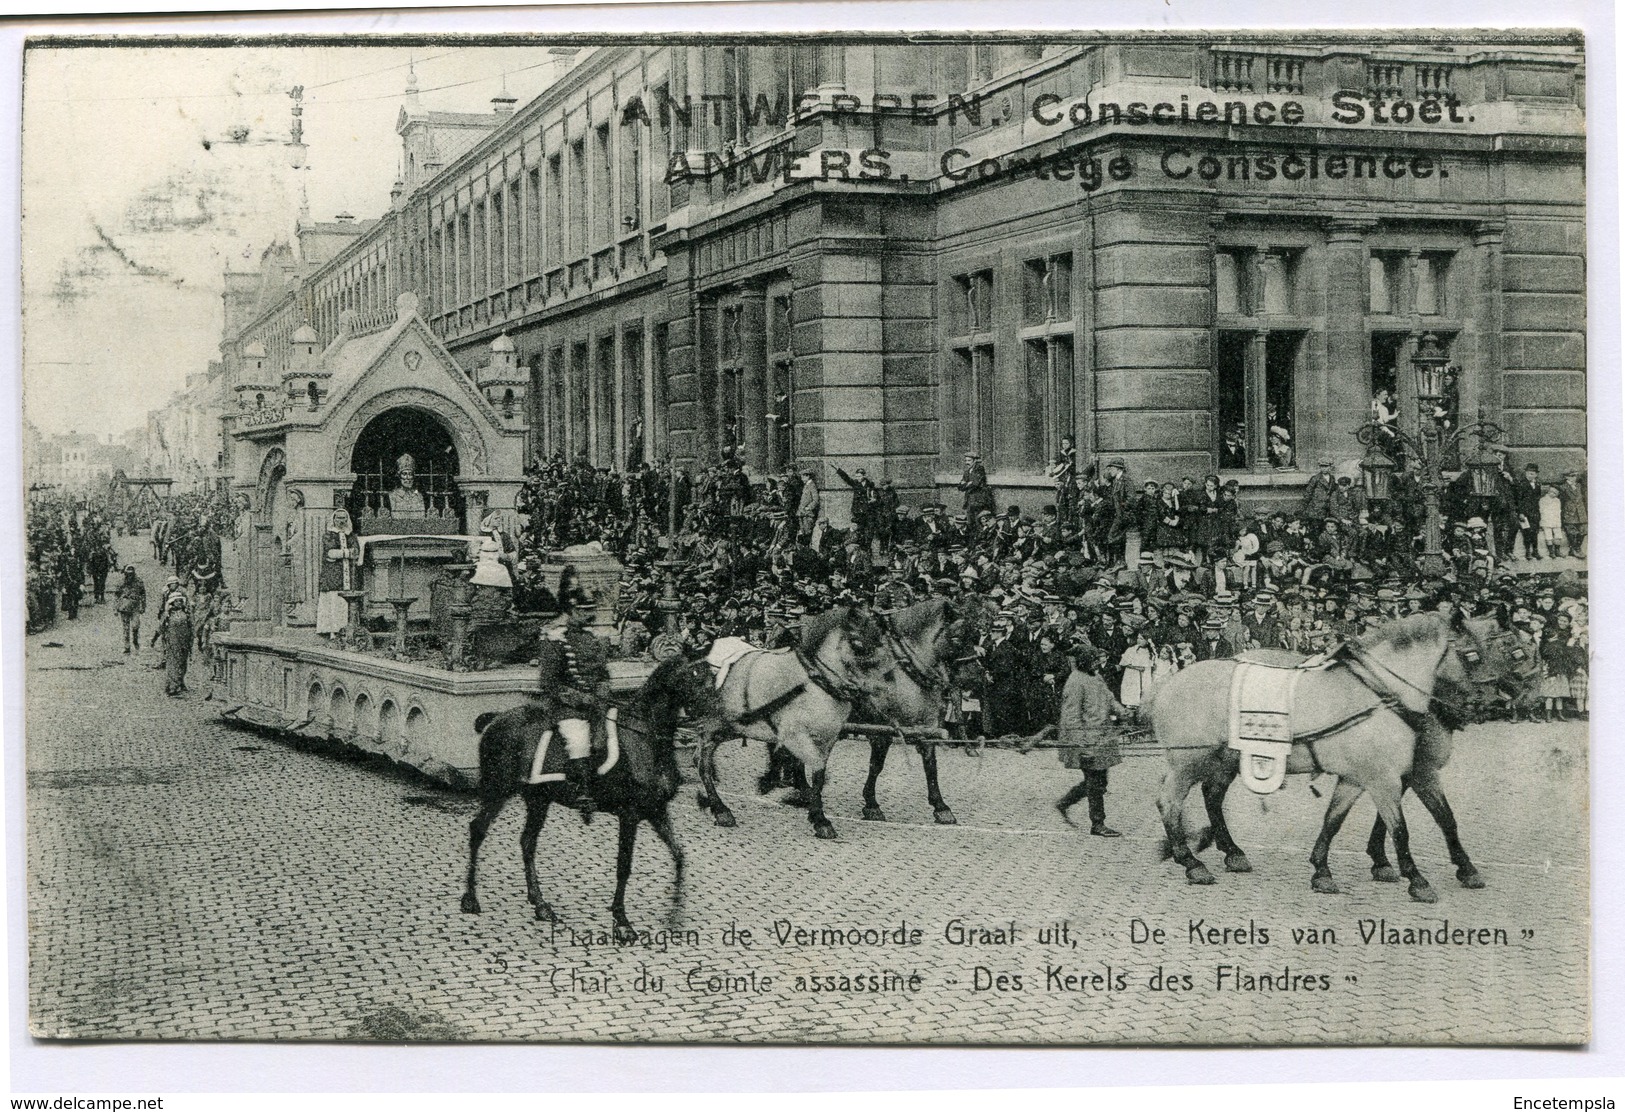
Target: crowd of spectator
[{"x": 1146, "y": 579}]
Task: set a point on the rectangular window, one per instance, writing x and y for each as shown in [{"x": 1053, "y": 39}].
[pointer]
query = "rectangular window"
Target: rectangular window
[
  {"x": 781, "y": 386},
  {"x": 734, "y": 83},
  {"x": 959, "y": 410},
  {"x": 660, "y": 114},
  {"x": 631, "y": 151},
  {"x": 1386, "y": 293},
  {"x": 660, "y": 425},
  {"x": 580, "y": 188},
  {"x": 461, "y": 246},
  {"x": 1237, "y": 441},
  {"x": 606, "y": 422},
  {"x": 1277, "y": 270},
  {"x": 533, "y": 221},
  {"x": 1431, "y": 274},
  {"x": 1027, "y": 449},
  {"x": 1280, "y": 396},
  {"x": 479, "y": 248},
  {"x": 1232, "y": 274},
  {"x": 1047, "y": 290},
  {"x": 635, "y": 438},
  {"x": 1387, "y": 350},
  {"x": 982, "y": 57},
  {"x": 603, "y": 188},
  {"x": 580, "y": 399},
  {"x": 553, "y": 221},
  {"x": 514, "y": 234},
  {"x": 499, "y": 240},
  {"x": 972, "y": 310},
  {"x": 557, "y": 405}
]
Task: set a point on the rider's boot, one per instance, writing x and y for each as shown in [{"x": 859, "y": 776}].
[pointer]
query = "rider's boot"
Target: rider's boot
[{"x": 581, "y": 774}]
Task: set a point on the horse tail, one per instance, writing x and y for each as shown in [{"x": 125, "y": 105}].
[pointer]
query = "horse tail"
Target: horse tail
[{"x": 484, "y": 720}]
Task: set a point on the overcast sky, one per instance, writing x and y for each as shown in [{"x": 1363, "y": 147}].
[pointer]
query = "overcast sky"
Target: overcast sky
[{"x": 146, "y": 169}]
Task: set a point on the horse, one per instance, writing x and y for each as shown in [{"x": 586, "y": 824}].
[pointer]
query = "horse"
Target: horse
[
  {"x": 800, "y": 700},
  {"x": 926, "y": 639},
  {"x": 1364, "y": 713},
  {"x": 637, "y": 789},
  {"x": 1433, "y": 748}
]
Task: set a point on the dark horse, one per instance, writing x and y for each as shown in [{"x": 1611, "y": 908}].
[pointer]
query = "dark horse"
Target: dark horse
[
  {"x": 927, "y": 640},
  {"x": 637, "y": 789}
]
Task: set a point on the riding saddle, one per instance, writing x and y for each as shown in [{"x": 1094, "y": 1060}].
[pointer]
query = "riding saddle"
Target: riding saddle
[{"x": 548, "y": 762}]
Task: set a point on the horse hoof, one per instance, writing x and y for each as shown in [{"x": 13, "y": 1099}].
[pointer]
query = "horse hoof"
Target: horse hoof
[
  {"x": 824, "y": 830},
  {"x": 1470, "y": 879},
  {"x": 1385, "y": 874},
  {"x": 946, "y": 817},
  {"x": 625, "y": 933},
  {"x": 1198, "y": 874},
  {"x": 1237, "y": 863},
  {"x": 1326, "y": 886},
  {"x": 1422, "y": 892},
  {"x": 471, "y": 905},
  {"x": 725, "y": 818},
  {"x": 546, "y": 914},
  {"x": 874, "y": 814}
]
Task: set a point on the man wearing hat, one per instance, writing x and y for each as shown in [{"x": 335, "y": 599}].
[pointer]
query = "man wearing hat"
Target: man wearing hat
[
  {"x": 1088, "y": 725},
  {"x": 1119, "y": 496},
  {"x": 1575, "y": 519},
  {"x": 1214, "y": 646},
  {"x": 1526, "y": 505},
  {"x": 130, "y": 602},
  {"x": 978, "y": 495},
  {"x": 1317, "y": 495},
  {"x": 1004, "y": 661},
  {"x": 573, "y": 670}
]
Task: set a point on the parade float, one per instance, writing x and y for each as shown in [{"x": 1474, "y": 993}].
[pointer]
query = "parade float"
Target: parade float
[{"x": 372, "y": 600}]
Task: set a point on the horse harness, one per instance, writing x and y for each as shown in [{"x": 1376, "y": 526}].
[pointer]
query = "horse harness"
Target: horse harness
[{"x": 1370, "y": 673}]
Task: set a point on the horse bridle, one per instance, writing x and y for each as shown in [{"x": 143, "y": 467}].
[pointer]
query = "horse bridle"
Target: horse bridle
[
  {"x": 929, "y": 678},
  {"x": 1469, "y": 658}
]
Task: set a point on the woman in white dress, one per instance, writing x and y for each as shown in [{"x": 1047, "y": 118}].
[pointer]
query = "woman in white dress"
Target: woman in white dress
[
  {"x": 1136, "y": 662},
  {"x": 1165, "y": 664}
]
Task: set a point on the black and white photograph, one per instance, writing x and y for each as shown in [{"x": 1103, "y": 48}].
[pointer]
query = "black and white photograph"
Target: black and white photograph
[{"x": 957, "y": 539}]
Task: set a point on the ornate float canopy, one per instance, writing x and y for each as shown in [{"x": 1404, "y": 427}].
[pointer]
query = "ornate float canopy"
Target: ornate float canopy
[{"x": 329, "y": 398}]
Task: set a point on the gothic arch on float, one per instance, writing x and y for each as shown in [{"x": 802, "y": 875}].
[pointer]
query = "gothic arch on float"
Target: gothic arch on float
[{"x": 471, "y": 446}]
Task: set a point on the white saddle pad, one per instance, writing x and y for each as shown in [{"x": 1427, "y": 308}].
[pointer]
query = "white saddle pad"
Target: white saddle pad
[{"x": 725, "y": 653}]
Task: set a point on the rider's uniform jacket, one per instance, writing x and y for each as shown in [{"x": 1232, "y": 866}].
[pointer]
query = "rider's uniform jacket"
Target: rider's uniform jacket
[{"x": 574, "y": 672}]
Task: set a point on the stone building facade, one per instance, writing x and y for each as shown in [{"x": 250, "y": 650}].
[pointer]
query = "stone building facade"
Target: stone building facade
[{"x": 1195, "y": 253}]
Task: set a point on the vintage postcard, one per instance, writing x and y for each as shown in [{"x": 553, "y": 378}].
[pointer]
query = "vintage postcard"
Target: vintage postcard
[{"x": 945, "y": 539}]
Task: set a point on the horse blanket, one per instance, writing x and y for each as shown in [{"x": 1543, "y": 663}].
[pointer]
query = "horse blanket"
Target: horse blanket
[
  {"x": 762, "y": 690},
  {"x": 548, "y": 761},
  {"x": 1266, "y": 717}
]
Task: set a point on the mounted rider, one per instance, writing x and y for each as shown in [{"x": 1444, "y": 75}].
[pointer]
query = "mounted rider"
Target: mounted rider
[{"x": 574, "y": 677}]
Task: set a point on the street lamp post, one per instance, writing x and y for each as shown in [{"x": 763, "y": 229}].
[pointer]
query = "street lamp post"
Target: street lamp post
[{"x": 1428, "y": 446}]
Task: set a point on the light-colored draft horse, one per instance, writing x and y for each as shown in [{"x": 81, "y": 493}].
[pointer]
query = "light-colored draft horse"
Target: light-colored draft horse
[
  {"x": 801, "y": 700},
  {"x": 1359, "y": 719}
]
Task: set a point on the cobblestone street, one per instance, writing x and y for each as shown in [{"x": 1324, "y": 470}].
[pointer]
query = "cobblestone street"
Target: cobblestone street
[{"x": 189, "y": 880}]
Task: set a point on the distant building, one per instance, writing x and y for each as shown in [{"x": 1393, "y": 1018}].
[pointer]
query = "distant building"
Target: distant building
[
  {"x": 185, "y": 438},
  {"x": 986, "y": 247},
  {"x": 75, "y": 463}
]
